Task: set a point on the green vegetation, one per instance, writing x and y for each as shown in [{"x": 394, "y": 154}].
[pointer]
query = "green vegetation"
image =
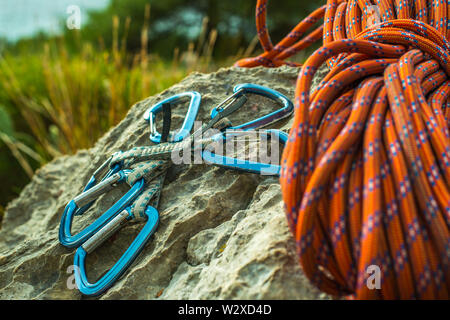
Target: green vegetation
[{"x": 59, "y": 94}]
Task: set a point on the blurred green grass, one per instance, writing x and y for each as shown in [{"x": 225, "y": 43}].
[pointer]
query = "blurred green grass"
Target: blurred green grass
[{"x": 68, "y": 100}]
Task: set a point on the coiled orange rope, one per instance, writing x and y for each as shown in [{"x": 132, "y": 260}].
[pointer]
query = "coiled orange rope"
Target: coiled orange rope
[{"x": 366, "y": 172}]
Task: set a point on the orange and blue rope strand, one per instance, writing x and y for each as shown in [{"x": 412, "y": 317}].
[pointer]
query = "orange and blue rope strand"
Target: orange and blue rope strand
[{"x": 366, "y": 171}]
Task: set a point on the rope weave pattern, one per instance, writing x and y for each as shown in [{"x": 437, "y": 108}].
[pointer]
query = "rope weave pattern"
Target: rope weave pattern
[{"x": 366, "y": 171}]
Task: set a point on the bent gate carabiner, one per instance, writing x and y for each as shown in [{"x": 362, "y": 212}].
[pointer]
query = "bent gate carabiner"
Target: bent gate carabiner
[
  {"x": 91, "y": 192},
  {"x": 105, "y": 282}
]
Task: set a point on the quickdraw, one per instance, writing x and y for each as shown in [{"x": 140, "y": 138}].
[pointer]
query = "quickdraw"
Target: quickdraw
[
  {"x": 366, "y": 170},
  {"x": 145, "y": 172},
  {"x": 143, "y": 190},
  {"x": 92, "y": 191}
]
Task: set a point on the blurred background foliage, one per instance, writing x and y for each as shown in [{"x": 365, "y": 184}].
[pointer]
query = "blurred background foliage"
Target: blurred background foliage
[{"x": 60, "y": 93}]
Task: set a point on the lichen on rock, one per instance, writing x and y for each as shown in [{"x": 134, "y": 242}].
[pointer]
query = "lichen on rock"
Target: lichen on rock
[{"x": 222, "y": 233}]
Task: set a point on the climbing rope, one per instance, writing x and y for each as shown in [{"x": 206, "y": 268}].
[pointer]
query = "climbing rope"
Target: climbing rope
[{"x": 366, "y": 171}]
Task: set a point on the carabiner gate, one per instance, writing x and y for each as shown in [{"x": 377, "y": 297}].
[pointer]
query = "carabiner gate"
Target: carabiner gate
[{"x": 84, "y": 201}]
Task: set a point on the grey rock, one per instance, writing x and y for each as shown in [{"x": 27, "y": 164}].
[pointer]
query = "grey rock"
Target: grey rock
[{"x": 222, "y": 234}]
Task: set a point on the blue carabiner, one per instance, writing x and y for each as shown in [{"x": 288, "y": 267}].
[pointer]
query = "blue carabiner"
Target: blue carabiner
[
  {"x": 82, "y": 202},
  {"x": 110, "y": 222},
  {"x": 188, "y": 123},
  {"x": 105, "y": 282},
  {"x": 91, "y": 183},
  {"x": 246, "y": 165},
  {"x": 285, "y": 111},
  {"x": 239, "y": 90}
]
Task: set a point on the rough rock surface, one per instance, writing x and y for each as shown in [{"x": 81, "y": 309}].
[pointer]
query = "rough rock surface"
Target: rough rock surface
[{"x": 222, "y": 234}]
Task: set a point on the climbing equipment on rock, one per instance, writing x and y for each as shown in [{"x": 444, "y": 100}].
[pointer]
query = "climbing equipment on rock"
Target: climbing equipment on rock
[
  {"x": 146, "y": 178},
  {"x": 92, "y": 191},
  {"x": 145, "y": 181},
  {"x": 262, "y": 168},
  {"x": 240, "y": 90},
  {"x": 194, "y": 105},
  {"x": 220, "y": 121},
  {"x": 366, "y": 170},
  {"x": 144, "y": 169},
  {"x": 106, "y": 281}
]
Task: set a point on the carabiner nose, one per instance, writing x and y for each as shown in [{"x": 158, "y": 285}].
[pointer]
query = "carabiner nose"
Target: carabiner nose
[{"x": 105, "y": 282}]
